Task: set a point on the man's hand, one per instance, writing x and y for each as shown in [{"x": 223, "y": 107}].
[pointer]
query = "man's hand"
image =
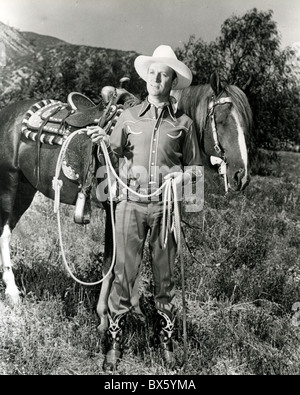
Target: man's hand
[
  {"x": 97, "y": 135},
  {"x": 179, "y": 177}
]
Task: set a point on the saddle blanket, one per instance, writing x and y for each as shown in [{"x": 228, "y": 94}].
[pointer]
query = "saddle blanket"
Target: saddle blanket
[
  {"x": 52, "y": 133},
  {"x": 51, "y": 121}
]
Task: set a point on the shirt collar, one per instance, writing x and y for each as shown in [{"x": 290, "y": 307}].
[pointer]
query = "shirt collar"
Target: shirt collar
[{"x": 171, "y": 106}]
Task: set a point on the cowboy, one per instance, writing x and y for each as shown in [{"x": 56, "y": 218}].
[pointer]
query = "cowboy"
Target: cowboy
[{"x": 150, "y": 143}]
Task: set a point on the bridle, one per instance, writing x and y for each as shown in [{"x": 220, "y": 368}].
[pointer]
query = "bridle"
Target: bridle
[{"x": 220, "y": 158}]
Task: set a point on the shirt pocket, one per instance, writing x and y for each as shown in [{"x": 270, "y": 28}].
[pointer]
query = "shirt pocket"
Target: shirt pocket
[
  {"x": 133, "y": 129},
  {"x": 175, "y": 134}
]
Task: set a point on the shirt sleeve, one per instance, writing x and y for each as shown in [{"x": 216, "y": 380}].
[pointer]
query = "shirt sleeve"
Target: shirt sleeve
[
  {"x": 192, "y": 160},
  {"x": 117, "y": 141},
  {"x": 118, "y": 137}
]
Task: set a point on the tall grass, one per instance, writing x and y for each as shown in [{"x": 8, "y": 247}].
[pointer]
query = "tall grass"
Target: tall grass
[{"x": 242, "y": 281}]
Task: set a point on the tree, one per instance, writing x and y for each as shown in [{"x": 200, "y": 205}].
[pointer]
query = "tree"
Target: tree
[
  {"x": 248, "y": 45},
  {"x": 247, "y": 54},
  {"x": 201, "y": 58}
]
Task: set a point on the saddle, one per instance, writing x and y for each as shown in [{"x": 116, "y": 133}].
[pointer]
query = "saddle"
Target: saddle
[{"x": 51, "y": 121}]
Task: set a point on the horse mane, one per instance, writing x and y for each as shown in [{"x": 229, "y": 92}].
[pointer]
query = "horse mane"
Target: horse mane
[
  {"x": 242, "y": 106},
  {"x": 194, "y": 102}
]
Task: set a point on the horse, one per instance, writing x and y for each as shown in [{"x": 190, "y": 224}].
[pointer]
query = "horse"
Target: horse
[
  {"x": 28, "y": 160},
  {"x": 223, "y": 119}
]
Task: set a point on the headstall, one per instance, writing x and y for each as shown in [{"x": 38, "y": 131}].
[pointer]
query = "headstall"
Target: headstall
[{"x": 220, "y": 159}]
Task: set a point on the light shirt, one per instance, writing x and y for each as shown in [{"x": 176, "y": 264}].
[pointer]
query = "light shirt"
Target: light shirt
[{"x": 154, "y": 142}]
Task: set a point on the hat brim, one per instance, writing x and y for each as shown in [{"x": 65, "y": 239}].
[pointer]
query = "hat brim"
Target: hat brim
[{"x": 184, "y": 74}]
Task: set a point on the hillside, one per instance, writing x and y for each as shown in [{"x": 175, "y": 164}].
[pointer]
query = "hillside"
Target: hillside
[
  {"x": 41, "y": 66},
  {"x": 15, "y": 43},
  {"x": 41, "y": 41}
]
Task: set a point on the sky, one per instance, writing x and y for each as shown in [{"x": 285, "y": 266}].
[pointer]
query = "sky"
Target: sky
[{"x": 141, "y": 25}]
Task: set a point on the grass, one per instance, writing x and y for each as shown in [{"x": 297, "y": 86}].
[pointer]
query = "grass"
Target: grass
[{"x": 240, "y": 289}]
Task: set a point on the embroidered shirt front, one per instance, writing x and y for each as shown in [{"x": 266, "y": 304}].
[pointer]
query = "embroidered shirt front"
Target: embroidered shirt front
[{"x": 154, "y": 142}]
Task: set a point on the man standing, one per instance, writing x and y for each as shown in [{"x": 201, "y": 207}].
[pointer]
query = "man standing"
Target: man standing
[{"x": 150, "y": 143}]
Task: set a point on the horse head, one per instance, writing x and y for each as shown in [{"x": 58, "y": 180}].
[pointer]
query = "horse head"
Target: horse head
[
  {"x": 223, "y": 120},
  {"x": 229, "y": 120}
]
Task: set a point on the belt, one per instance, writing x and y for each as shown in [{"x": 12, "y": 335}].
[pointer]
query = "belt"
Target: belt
[{"x": 149, "y": 190}]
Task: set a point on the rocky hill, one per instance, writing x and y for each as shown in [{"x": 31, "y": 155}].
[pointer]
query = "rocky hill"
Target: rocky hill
[
  {"x": 15, "y": 43},
  {"x": 41, "y": 41}
]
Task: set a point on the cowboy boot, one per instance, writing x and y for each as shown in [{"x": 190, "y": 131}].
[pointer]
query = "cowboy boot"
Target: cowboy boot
[
  {"x": 115, "y": 342},
  {"x": 165, "y": 329}
]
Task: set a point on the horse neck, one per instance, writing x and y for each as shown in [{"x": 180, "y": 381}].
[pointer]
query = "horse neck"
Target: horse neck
[{"x": 193, "y": 101}]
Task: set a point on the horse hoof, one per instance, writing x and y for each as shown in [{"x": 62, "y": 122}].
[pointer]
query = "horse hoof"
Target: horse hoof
[
  {"x": 12, "y": 294},
  {"x": 12, "y": 298}
]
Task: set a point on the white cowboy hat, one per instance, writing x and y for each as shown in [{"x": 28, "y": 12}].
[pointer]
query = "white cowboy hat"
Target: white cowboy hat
[{"x": 164, "y": 54}]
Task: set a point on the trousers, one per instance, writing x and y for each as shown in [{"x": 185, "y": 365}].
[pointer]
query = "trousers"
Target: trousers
[{"x": 133, "y": 222}]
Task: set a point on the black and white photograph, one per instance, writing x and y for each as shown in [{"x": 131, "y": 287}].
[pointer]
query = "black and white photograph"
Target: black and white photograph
[{"x": 149, "y": 190}]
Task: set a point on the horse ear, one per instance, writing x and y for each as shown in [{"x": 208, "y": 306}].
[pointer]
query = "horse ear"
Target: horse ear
[
  {"x": 215, "y": 83},
  {"x": 247, "y": 87}
]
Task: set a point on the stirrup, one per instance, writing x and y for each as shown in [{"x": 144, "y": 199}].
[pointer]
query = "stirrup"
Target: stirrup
[
  {"x": 114, "y": 349},
  {"x": 82, "y": 214}
]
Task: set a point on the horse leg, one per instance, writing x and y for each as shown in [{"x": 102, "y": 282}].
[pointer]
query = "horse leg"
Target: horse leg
[
  {"x": 24, "y": 196},
  {"x": 102, "y": 304},
  {"x": 11, "y": 291}
]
